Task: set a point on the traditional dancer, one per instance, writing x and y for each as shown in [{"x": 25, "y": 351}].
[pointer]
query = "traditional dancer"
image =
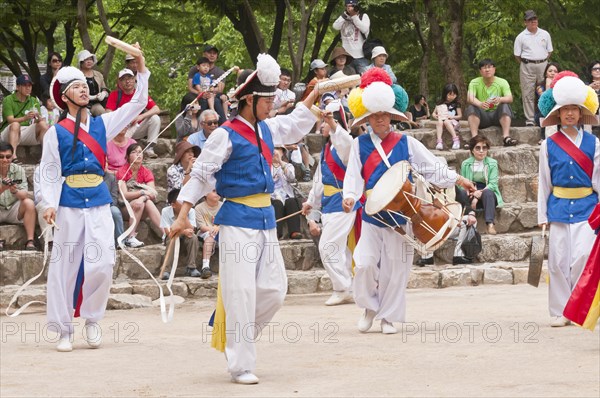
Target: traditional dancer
[
  {"x": 382, "y": 258},
  {"x": 83, "y": 254},
  {"x": 326, "y": 192},
  {"x": 237, "y": 159},
  {"x": 569, "y": 185}
]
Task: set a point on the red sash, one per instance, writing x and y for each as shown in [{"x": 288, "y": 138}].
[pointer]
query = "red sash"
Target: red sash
[
  {"x": 246, "y": 132},
  {"x": 374, "y": 158},
  {"x": 335, "y": 168},
  {"x": 577, "y": 154},
  {"x": 87, "y": 139}
]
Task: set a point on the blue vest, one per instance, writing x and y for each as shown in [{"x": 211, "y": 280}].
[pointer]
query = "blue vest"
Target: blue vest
[
  {"x": 333, "y": 204},
  {"x": 399, "y": 153},
  {"x": 565, "y": 172},
  {"x": 82, "y": 162},
  {"x": 245, "y": 173}
]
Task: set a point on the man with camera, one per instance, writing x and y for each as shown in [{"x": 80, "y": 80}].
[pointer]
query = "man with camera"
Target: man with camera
[
  {"x": 354, "y": 28},
  {"x": 15, "y": 205},
  {"x": 22, "y": 123}
]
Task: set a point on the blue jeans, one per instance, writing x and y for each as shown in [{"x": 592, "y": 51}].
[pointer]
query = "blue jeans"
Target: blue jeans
[
  {"x": 117, "y": 217},
  {"x": 360, "y": 65}
]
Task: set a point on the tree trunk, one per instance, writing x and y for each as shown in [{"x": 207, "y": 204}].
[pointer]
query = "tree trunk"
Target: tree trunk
[
  {"x": 82, "y": 26},
  {"x": 278, "y": 29}
]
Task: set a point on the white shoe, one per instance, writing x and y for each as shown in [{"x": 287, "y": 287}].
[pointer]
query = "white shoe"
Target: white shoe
[
  {"x": 93, "y": 334},
  {"x": 559, "y": 321},
  {"x": 150, "y": 153},
  {"x": 245, "y": 378},
  {"x": 337, "y": 298},
  {"x": 133, "y": 242},
  {"x": 388, "y": 327},
  {"x": 64, "y": 344},
  {"x": 439, "y": 146},
  {"x": 456, "y": 144},
  {"x": 366, "y": 321}
]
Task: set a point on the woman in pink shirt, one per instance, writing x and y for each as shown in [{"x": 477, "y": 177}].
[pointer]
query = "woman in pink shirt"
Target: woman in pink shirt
[{"x": 116, "y": 149}]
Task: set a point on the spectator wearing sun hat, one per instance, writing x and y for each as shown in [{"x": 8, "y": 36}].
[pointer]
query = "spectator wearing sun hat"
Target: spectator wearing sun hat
[
  {"x": 378, "y": 58},
  {"x": 340, "y": 62},
  {"x": 179, "y": 172},
  {"x": 95, "y": 80}
]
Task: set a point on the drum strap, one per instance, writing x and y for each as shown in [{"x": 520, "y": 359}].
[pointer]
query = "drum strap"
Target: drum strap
[{"x": 384, "y": 157}]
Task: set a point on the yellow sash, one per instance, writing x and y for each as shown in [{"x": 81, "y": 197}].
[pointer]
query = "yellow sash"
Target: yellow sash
[
  {"x": 572, "y": 193},
  {"x": 256, "y": 200},
  {"x": 84, "y": 180},
  {"x": 219, "y": 336},
  {"x": 330, "y": 190}
]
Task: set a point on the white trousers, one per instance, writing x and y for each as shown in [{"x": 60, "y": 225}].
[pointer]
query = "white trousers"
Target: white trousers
[
  {"x": 253, "y": 287},
  {"x": 149, "y": 128},
  {"x": 568, "y": 251},
  {"x": 83, "y": 234},
  {"x": 333, "y": 248},
  {"x": 382, "y": 265}
]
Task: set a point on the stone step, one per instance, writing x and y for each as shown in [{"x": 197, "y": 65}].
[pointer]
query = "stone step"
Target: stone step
[{"x": 131, "y": 293}]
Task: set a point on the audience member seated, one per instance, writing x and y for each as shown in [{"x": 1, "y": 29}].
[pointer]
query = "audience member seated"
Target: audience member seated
[
  {"x": 283, "y": 198},
  {"x": 212, "y": 54},
  {"x": 22, "y": 123},
  {"x": 489, "y": 97},
  {"x": 95, "y": 80},
  {"x": 419, "y": 111},
  {"x": 55, "y": 62},
  {"x": 448, "y": 113},
  {"x": 188, "y": 239},
  {"x": 189, "y": 123},
  {"x": 482, "y": 170},
  {"x": 15, "y": 205},
  {"x": 299, "y": 156},
  {"x": 111, "y": 182},
  {"x": 206, "y": 212},
  {"x": 202, "y": 82},
  {"x": 49, "y": 112},
  {"x": 284, "y": 97},
  {"x": 131, "y": 64},
  {"x": 209, "y": 121},
  {"x": 179, "y": 172},
  {"x": 318, "y": 70},
  {"x": 340, "y": 62},
  {"x": 354, "y": 27},
  {"x": 552, "y": 68},
  {"x": 594, "y": 72},
  {"x": 378, "y": 59},
  {"x": 147, "y": 124},
  {"x": 138, "y": 185},
  {"x": 116, "y": 149}
]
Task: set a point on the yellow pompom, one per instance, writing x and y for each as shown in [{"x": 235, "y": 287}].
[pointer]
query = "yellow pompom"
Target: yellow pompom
[
  {"x": 355, "y": 102},
  {"x": 591, "y": 101}
]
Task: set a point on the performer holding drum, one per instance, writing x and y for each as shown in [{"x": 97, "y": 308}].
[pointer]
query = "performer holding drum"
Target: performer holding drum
[{"x": 383, "y": 257}]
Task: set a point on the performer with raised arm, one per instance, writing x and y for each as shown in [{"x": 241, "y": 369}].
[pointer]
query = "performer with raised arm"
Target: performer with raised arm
[
  {"x": 382, "y": 257},
  {"x": 326, "y": 195},
  {"x": 569, "y": 185},
  {"x": 83, "y": 255},
  {"x": 237, "y": 160}
]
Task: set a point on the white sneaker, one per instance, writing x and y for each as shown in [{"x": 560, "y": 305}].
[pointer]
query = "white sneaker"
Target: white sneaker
[
  {"x": 245, "y": 378},
  {"x": 388, "y": 327},
  {"x": 439, "y": 146},
  {"x": 64, "y": 344},
  {"x": 366, "y": 321},
  {"x": 344, "y": 297},
  {"x": 559, "y": 321},
  {"x": 150, "y": 153},
  {"x": 93, "y": 334},
  {"x": 132, "y": 242},
  {"x": 456, "y": 144}
]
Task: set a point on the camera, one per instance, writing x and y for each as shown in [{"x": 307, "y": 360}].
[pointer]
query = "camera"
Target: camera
[{"x": 10, "y": 182}]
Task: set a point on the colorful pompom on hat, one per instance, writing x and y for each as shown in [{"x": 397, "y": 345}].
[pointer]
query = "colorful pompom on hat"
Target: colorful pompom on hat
[
  {"x": 568, "y": 89},
  {"x": 261, "y": 82},
  {"x": 374, "y": 95},
  {"x": 64, "y": 78}
]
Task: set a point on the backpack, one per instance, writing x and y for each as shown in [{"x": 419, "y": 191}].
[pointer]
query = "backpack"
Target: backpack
[{"x": 369, "y": 45}]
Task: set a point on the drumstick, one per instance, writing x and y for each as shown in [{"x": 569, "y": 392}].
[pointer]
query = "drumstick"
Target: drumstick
[
  {"x": 289, "y": 216},
  {"x": 121, "y": 45},
  {"x": 167, "y": 255}
]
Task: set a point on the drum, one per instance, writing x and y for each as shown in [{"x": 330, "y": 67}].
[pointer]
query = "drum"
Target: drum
[{"x": 431, "y": 221}]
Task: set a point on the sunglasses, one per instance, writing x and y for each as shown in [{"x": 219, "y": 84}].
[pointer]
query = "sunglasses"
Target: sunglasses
[
  {"x": 481, "y": 148},
  {"x": 596, "y": 69},
  {"x": 211, "y": 122},
  {"x": 56, "y": 60},
  {"x": 5, "y": 156}
]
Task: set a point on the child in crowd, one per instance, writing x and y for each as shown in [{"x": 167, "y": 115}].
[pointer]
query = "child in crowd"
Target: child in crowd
[
  {"x": 207, "y": 230},
  {"x": 49, "y": 111},
  {"x": 448, "y": 114},
  {"x": 202, "y": 81}
]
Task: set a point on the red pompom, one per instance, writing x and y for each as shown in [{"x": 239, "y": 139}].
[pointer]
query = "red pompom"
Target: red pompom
[
  {"x": 561, "y": 75},
  {"x": 375, "y": 75}
]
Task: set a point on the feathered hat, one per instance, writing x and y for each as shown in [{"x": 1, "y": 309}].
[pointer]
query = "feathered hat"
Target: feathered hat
[
  {"x": 64, "y": 78},
  {"x": 568, "y": 89},
  {"x": 374, "y": 95},
  {"x": 261, "y": 82}
]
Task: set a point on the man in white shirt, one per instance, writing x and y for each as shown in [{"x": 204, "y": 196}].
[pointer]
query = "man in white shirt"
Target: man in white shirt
[
  {"x": 533, "y": 47},
  {"x": 354, "y": 29},
  {"x": 284, "y": 97}
]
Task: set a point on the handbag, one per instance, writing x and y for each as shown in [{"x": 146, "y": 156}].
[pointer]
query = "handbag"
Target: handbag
[{"x": 471, "y": 246}]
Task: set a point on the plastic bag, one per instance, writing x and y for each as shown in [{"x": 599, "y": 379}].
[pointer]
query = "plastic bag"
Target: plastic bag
[{"x": 471, "y": 246}]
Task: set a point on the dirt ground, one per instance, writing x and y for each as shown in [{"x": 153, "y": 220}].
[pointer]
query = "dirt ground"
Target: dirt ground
[{"x": 472, "y": 341}]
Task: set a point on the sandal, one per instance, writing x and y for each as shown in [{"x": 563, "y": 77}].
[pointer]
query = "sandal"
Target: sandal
[
  {"x": 296, "y": 235},
  {"x": 30, "y": 245},
  {"x": 509, "y": 141},
  {"x": 2, "y": 242}
]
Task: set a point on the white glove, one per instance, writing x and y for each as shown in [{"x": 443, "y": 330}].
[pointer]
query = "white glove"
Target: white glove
[
  {"x": 93, "y": 97},
  {"x": 101, "y": 96}
]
